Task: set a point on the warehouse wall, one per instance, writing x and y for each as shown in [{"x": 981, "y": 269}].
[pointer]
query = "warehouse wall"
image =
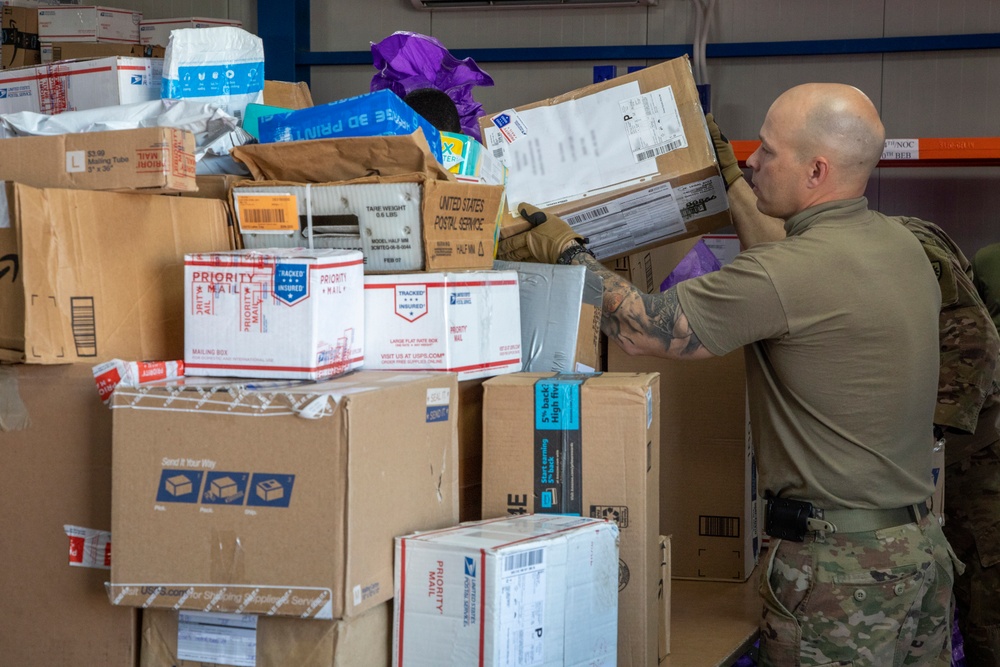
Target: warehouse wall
[{"x": 936, "y": 94}]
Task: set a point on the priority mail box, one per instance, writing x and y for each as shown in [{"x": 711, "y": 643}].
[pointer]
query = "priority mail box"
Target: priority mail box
[
  {"x": 400, "y": 226},
  {"x": 157, "y": 31},
  {"x": 281, "y": 313},
  {"x": 560, "y": 316},
  {"x": 152, "y": 159},
  {"x": 20, "y": 37},
  {"x": 112, "y": 286},
  {"x": 627, "y": 162},
  {"x": 326, "y": 475},
  {"x": 56, "y": 439},
  {"x": 88, "y": 23},
  {"x": 466, "y": 323},
  {"x": 526, "y": 590},
  {"x": 584, "y": 445},
  {"x": 53, "y": 51},
  {"x": 196, "y": 639},
  {"x": 80, "y": 84}
]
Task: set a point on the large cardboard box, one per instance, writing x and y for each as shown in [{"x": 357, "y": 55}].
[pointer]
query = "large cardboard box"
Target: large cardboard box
[
  {"x": 295, "y": 314},
  {"x": 708, "y": 501},
  {"x": 560, "y": 317},
  {"x": 277, "y": 498},
  {"x": 585, "y": 445},
  {"x": 91, "y": 276},
  {"x": 88, "y": 23},
  {"x": 20, "y": 37},
  {"x": 152, "y": 159},
  {"x": 56, "y": 472},
  {"x": 195, "y": 639},
  {"x": 464, "y": 322},
  {"x": 287, "y": 95},
  {"x": 80, "y": 84},
  {"x": 627, "y": 162},
  {"x": 157, "y": 31},
  {"x": 524, "y": 590},
  {"x": 470, "y": 449},
  {"x": 53, "y": 51}
]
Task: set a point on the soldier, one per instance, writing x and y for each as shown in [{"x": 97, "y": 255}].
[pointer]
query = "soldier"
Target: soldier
[
  {"x": 839, "y": 317},
  {"x": 986, "y": 273}
]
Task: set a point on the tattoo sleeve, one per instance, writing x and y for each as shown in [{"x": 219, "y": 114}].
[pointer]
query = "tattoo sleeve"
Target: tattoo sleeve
[{"x": 651, "y": 324}]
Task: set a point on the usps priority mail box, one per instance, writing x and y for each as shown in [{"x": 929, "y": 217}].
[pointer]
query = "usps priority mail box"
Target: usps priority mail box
[
  {"x": 463, "y": 322},
  {"x": 527, "y": 590},
  {"x": 75, "y": 23},
  {"x": 283, "y": 313}
]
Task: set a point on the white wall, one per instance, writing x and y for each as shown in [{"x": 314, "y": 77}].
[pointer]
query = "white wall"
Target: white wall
[{"x": 937, "y": 94}]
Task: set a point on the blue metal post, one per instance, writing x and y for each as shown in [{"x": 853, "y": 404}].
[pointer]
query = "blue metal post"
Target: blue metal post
[{"x": 283, "y": 25}]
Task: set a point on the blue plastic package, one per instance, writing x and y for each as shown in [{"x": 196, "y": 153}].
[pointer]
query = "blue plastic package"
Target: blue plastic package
[{"x": 381, "y": 113}]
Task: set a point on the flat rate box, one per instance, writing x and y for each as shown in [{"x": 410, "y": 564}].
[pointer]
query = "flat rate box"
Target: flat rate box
[
  {"x": 528, "y": 590},
  {"x": 280, "y": 313}
]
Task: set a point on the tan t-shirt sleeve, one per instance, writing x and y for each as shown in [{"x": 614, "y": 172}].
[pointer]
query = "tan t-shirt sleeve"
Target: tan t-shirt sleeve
[{"x": 733, "y": 307}]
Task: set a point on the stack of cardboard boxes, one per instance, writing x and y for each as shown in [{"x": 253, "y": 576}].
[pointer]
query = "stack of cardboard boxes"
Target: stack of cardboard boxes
[{"x": 253, "y": 504}]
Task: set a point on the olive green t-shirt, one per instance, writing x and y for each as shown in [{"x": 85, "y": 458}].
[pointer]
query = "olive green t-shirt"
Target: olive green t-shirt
[{"x": 842, "y": 321}]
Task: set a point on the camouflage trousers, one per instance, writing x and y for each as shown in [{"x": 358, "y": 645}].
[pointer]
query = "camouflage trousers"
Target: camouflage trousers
[
  {"x": 881, "y": 598},
  {"x": 972, "y": 511}
]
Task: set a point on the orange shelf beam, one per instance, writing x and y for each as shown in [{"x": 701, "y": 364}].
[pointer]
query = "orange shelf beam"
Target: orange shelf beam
[{"x": 923, "y": 152}]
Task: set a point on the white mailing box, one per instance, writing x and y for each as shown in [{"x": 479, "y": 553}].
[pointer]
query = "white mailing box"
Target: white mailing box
[
  {"x": 281, "y": 313},
  {"x": 78, "y": 23},
  {"x": 463, "y": 322},
  {"x": 157, "y": 31},
  {"x": 536, "y": 589}
]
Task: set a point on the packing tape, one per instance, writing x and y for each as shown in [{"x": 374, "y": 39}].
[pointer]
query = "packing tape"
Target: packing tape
[{"x": 13, "y": 412}]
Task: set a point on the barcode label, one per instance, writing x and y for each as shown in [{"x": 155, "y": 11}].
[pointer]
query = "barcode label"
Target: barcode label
[
  {"x": 83, "y": 323},
  {"x": 718, "y": 526},
  {"x": 659, "y": 150},
  {"x": 259, "y": 215},
  {"x": 523, "y": 560},
  {"x": 587, "y": 216}
]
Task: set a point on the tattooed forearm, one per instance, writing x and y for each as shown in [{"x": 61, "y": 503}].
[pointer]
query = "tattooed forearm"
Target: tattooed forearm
[{"x": 641, "y": 323}]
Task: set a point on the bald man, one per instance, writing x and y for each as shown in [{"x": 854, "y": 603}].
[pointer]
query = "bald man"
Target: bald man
[{"x": 838, "y": 317}]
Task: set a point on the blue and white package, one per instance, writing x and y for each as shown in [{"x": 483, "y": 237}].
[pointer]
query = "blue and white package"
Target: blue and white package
[
  {"x": 222, "y": 66},
  {"x": 380, "y": 113}
]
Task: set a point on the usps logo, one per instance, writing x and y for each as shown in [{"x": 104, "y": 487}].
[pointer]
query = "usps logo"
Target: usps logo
[
  {"x": 138, "y": 80},
  {"x": 470, "y": 567},
  {"x": 3, "y": 93},
  {"x": 501, "y": 120},
  {"x": 291, "y": 283},
  {"x": 460, "y": 298},
  {"x": 411, "y": 302}
]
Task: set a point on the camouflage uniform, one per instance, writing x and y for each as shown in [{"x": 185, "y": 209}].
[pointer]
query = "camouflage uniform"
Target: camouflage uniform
[
  {"x": 968, "y": 411},
  {"x": 986, "y": 275}
]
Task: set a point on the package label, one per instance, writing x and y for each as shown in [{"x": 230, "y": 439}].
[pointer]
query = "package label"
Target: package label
[
  {"x": 89, "y": 547},
  {"x": 217, "y": 638},
  {"x": 653, "y": 124},
  {"x": 521, "y": 633},
  {"x": 267, "y": 214},
  {"x": 558, "y": 447}
]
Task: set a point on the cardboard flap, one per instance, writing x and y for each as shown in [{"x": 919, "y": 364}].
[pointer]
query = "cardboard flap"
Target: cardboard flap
[
  {"x": 341, "y": 159},
  {"x": 287, "y": 95}
]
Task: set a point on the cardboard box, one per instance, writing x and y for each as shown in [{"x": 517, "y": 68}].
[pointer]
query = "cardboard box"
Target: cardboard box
[
  {"x": 54, "y": 51},
  {"x": 113, "y": 285},
  {"x": 585, "y": 445},
  {"x": 526, "y": 590},
  {"x": 287, "y": 95},
  {"x": 56, "y": 440},
  {"x": 294, "y": 314},
  {"x": 157, "y": 31},
  {"x": 193, "y": 639},
  {"x": 560, "y": 317},
  {"x": 470, "y": 449},
  {"x": 80, "y": 84},
  {"x": 20, "y": 37},
  {"x": 88, "y": 23},
  {"x": 152, "y": 159},
  {"x": 399, "y": 226},
  {"x": 466, "y": 323},
  {"x": 627, "y": 162},
  {"x": 359, "y": 460},
  {"x": 380, "y": 113}
]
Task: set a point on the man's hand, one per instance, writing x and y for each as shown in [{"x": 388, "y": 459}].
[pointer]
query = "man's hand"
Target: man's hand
[
  {"x": 544, "y": 243},
  {"x": 728, "y": 164}
]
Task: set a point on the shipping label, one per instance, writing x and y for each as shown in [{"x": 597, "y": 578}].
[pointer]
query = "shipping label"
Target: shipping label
[{"x": 521, "y": 616}]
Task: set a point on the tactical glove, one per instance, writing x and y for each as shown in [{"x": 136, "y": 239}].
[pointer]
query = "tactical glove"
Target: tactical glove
[
  {"x": 544, "y": 243},
  {"x": 730, "y": 168}
]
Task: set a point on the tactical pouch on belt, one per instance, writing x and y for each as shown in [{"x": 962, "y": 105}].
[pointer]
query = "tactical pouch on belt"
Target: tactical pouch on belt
[{"x": 787, "y": 519}]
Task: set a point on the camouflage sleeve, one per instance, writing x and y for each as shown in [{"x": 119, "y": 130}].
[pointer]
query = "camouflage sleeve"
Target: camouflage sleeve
[{"x": 969, "y": 341}]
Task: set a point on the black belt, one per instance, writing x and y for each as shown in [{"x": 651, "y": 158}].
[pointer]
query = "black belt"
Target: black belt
[{"x": 792, "y": 519}]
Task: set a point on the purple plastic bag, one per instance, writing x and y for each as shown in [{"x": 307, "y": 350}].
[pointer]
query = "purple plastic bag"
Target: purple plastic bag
[
  {"x": 407, "y": 61},
  {"x": 697, "y": 262}
]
